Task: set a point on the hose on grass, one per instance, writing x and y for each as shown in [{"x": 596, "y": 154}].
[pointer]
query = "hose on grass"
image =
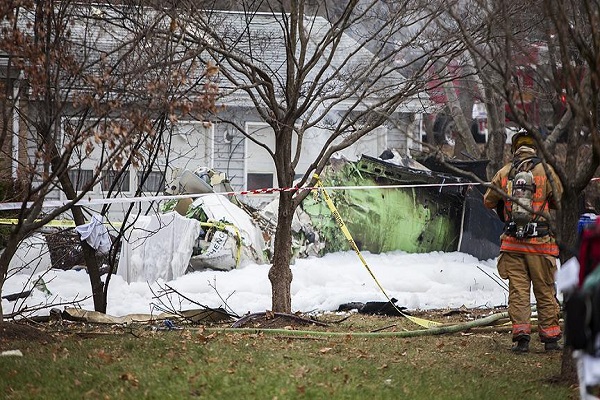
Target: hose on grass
[{"x": 421, "y": 332}]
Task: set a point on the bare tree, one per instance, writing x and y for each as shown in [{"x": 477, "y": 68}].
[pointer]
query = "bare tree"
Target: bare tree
[
  {"x": 304, "y": 67},
  {"x": 537, "y": 67},
  {"x": 87, "y": 83},
  {"x": 472, "y": 29},
  {"x": 543, "y": 56},
  {"x": 557, "y": 50}
]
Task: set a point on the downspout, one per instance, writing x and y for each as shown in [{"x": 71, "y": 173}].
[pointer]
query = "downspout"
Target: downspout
[{"x": 16, "y": 127}]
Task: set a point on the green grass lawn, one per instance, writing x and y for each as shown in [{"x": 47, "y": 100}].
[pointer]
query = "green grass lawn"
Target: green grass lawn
[{"x": 119, "y": 363}]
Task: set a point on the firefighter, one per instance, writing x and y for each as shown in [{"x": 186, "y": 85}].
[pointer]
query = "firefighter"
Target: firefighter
[{"x": 528, "y": 249}]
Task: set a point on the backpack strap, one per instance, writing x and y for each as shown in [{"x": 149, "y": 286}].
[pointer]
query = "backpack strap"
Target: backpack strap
[
  {"x": 536, "y": 217},
  {"x": 526, "y": 164}
]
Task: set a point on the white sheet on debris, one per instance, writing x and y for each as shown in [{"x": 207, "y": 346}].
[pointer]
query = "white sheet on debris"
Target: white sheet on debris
[
  {"x": 159, "y": 247},
  {"x": 96, "y": 234}
]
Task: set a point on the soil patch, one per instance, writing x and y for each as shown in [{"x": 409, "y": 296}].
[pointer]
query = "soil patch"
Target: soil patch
[{"x": 11, "y": 331}]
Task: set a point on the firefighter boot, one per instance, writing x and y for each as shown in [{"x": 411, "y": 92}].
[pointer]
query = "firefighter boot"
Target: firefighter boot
[
  {"x": 552, "y": 346},
  {"x": 522, "y": 344}
]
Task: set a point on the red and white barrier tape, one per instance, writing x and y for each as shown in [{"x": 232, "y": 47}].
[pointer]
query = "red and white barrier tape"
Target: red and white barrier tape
[
  {"x": 128, "y": 200},
  {"x": 270, "y": 190}
]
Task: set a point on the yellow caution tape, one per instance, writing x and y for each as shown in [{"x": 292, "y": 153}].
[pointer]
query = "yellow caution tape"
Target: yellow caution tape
[
  {"x": 60, "y": 223},
  {"x": 340, "y": 222},
  {"x": 57, "y": 222}
]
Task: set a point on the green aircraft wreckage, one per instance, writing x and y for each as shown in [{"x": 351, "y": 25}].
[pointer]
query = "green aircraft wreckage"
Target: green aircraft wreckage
[
  {"x": 387, "y": 205},
  {"x": 403, "y": 207}
]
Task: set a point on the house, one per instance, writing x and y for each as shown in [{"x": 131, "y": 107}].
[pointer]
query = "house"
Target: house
[
  {"x": 100, "y": 36},
  {"x": 249, "y": 165}
]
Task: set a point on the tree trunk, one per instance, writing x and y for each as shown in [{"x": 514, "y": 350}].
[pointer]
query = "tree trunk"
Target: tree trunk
[
  {"x": 91, "y": 263},
  {"x": 280, "y": 273},
  {"x": 5, "y": 257},
  {"x": 89, "y": 254},
  {"x": 496, "y": 133},
  {"x": 462, "y": 126},
  {"x": 567, "y": 219}
]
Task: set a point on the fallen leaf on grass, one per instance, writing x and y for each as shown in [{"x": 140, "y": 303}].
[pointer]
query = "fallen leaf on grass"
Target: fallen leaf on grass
[
  {"x": 325, "y": 350},
  {"x": 129, "y": 377},
  {"x": 205, "y": 338},
  {"x": 102, "y": 355}
]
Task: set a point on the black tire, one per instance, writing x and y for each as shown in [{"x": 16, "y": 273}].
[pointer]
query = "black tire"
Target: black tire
[{"x": 444, "y": 130}]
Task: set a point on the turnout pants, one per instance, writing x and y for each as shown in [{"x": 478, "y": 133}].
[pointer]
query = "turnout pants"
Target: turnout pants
[{"x": 522, "y": 271}]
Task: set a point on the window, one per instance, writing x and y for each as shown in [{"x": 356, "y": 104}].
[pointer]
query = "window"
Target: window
[
  {"x": 81, "y": 178},
  {"x": 154, "y": 182},
  {"x": 259, "y": 180},
  {"x": 109, "y": 180},
  {"x": 260, "y": 168}
]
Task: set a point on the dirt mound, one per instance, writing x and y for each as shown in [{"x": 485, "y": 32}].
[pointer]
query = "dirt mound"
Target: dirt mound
[{"x": 11, "y": 331}]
